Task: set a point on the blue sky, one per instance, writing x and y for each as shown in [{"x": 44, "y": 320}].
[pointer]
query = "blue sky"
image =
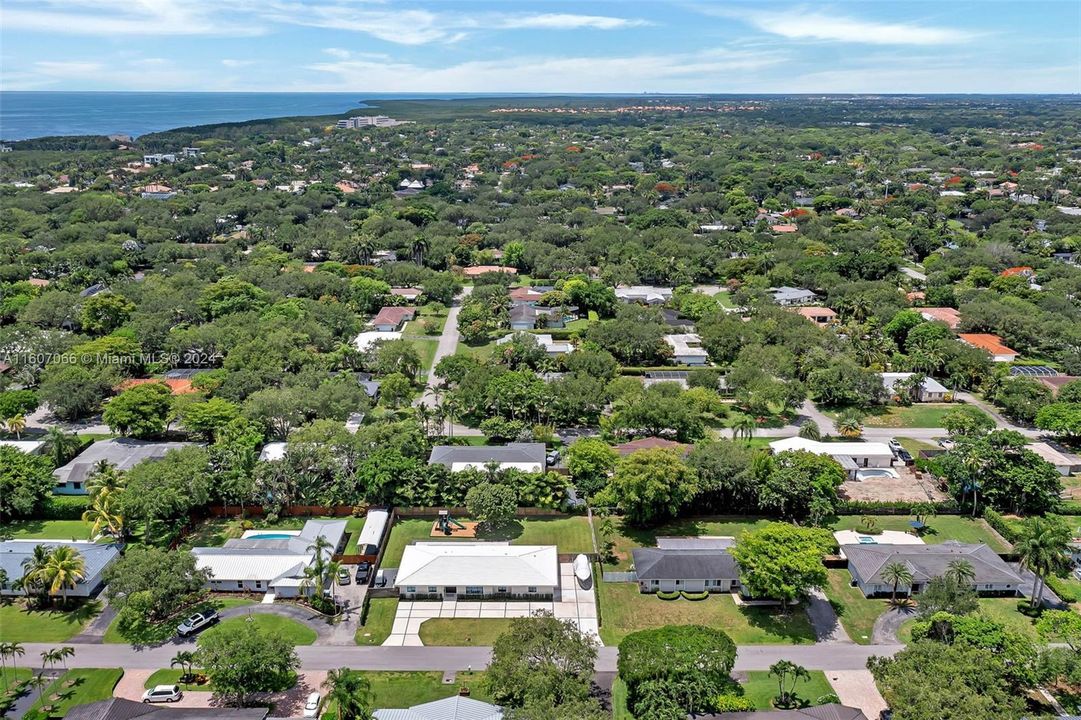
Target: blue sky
[{"x": 510, "y": 46}]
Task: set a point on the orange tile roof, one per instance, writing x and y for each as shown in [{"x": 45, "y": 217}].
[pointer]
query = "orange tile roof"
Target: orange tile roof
[
  {"x": 1018, "y": 270},
  {"x": 814, "y": 311},
  {"x": 950, "y": 316},
  {"x": 650, "y": 443},
  {"x": 785, "y": 228},
  {"x": 987, "y": 341},
  {"x": 481, "y": 269},
  {"x": 178, "y": 386}
]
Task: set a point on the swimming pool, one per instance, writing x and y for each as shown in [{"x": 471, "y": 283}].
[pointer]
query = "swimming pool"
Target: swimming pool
[
  {"x": 876, "y": 473},
  {"x": 865, "y": 540},
  {"x": 269, "y": 536}
]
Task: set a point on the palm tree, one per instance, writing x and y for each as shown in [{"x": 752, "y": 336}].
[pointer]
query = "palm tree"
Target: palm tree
[
  {"x": 16, "y": 425},
  {"x": 61, "y": 445},
  {"x": 66, "y": 652},
  {"x": 186, "y": 660},
  {"x": 896, "y": 574},
  {"x": 960, "y": 572},
  {"x": 809, "y": 431},
  {"x": 316, "y": 573},
  {"x": 102, "y": 515},
  {"x": 350, "y": 692},
  {"x": 63, "y": 568},
  {"x": 32, "y": 566},
  {"x": 1042, "y": 549},
  {"x": 105, "y": 477},
  {"x": 787, "y": 671},
  {"x": 15, "y": 650},
  {"x": 419, "y": 246},
  {"x": 744, "y": 427},
  {"x": 364, "y": 246},
  {"x": 50, "y": 657},
  {"x": 849, "y": 425},
  {"x": 4, "y": 652}
]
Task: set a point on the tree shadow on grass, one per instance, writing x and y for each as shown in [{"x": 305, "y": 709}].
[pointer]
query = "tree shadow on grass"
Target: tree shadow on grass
[{"x": 795, "y": 627}]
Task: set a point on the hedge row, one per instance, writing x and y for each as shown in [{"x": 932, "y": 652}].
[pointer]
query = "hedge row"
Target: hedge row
[
  {"x": 63, "y": 507},
  {"x": 890, "y": 507},
  {"x": 999, "y": 524}
]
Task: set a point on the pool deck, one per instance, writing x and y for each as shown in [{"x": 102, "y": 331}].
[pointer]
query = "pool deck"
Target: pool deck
[{"x": 886, "y": 537}]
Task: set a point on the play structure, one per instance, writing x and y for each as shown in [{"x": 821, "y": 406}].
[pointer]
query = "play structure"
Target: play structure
[{"x": 447, "y": 526}]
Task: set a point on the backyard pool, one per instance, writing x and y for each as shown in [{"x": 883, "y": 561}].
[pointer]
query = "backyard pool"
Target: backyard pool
[
  {"x": 269, "y": 536},
  {"x": 876, "y": 473}
]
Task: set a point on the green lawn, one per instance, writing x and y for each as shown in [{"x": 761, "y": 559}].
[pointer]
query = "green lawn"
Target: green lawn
[
  {"x": 857, "y": 613},
  {"x": 427, "y": 312},
  {"x": 760, "y": 688},
  {"x": 172, "y": 677},
  {"x": 918, "y": 415},
  {"x": 940, "y": 528},
  {"x": 10, "y": 679},
  {"x": 144, "y": 633},
  {"x": 624, "y": 610},
  {"x": 569, "y": 534},
  {"x": 76, "y": 687},
  {"x": 463, "y": 631},
  {"x": 914, "y": 446},
  {"x": 393, "y": 690},
  {"x": 619, "y": 701},
  {"x": 426, "y": 347},
  {"x": 17, "y": 624},
  {"x": 1004, "y": 610},
  {"x": 628, "y": 538},
  {"x": 48, "y": 529},
  {"x": 380, "y": 619},
  {"x": 293, "y": 631},
  {"x": 353, "y": 526},
  {"x": 724, "y": 298}
]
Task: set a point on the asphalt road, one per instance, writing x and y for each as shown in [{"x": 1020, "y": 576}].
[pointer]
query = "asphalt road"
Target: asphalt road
[
  {"x": 448, "y": 344},
  {"x": 821, "y": 656}
]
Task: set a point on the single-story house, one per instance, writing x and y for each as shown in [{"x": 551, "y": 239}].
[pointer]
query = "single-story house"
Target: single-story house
[
  {"x": 392, "y": 318},
  {"x": 409, "y": 293},
  {"x": 931, "y": 390},
  {"x": 850, "y": 455},
  {"x": 692, "y": 570},
  {"x": 829, "y": 711},
  {"x": 867, "y": 562},
  {"x": 124, "y": 709},
  {"x": 525, "y": 316},
  {"x": 646, "y": 294},
  {"x": 530, "y": 457},
  {"x": 477, "y": 571},
  {"x": 687, "y": 349},
  {"x": 370, "y": 386},
  {"x": 366, "y": 339},
  {"x": 792, "y": 296},
  {"x": 819, "y": 315},
  {"x": 1065, "y": 463},
  {"x": 525, "y": 294},
  {"x": 268, "y": 560},
  {"x": 30, "y": 447},
  {"x": 651, "y": 443},
  {"x": 455, "y": 707},
  {"x": 96, "y": 558},
  {"x": 121, "y": 453},
  {"x": 552, "y": 347},
  {"x": 482, "y": 269},
  {"x": 991, "y": 344},
  {"x": 950, "y": 316}
]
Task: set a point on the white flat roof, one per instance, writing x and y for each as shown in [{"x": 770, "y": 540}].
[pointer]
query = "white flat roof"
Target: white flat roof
[
  {"x": 886, "y": 537},
  {"x": 686, "y": 344},
  {"x": 482, "y": 564},
  {"x": 273, "y": 451},
  {"x": 365, "y": 340},
  {"x": 530, "y": 467},
  {"x": 852, "y": 449},
  {"x": 30, "y": 447}
]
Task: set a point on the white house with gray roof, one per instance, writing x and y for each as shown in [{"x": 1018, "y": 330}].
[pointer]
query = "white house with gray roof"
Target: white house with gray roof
[
  {"x": 867, "y": 562},
  {"x": 930, "y": 390},
  {"x": 268, "y": 560},
  {"x": 528, "y": 457},
  {"x": 693, "y": 567},
  {"x": 96, "y": 558},
  {"x": 477, "y": 570},
  {"x": 455, "y": 707},
  {"x": 121, "y": 453},
  {"x": 792, "y": 296}
]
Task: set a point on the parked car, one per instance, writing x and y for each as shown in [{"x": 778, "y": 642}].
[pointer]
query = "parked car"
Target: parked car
[
  {"x": 364, "y": 568},
  {"x": 163, "y": 693},
  {"x": 380, "y": 579},
  {"x": 343, "y": 576},
  {"x": 197, "y": 622},
  {"x": 552, "y": 458},
  {"x": 896, "y": 446},
  {"x": 311, "y": 707}
]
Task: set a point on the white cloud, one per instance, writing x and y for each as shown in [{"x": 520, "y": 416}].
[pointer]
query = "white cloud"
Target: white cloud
[
  {"x": 69, "y": 68},
  {"x": 120, "y": 17},
  {"x": 801, "y": 24},
  {"x": 231, "y": 63},
  {"x": 566, "y": 21}
]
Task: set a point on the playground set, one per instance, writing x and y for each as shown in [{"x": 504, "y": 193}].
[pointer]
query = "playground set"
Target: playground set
[{"x": 447, "y": 526}]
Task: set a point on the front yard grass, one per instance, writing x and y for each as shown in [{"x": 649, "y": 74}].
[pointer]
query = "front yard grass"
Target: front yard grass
[
  {"x": 144, "y": 633},
  {"x": 917, "y": 415},
  {"x": 1005, "y": 611},
  {"x": 624, "y": 610},
  {"x": 940, "y": 528},
  {"x": 17, "y": 624},
  {"x": 857, "y": 613},
  {"x": 290, "y": 629},
  {"x": 914, "y": 446},
  {"x": 463, "y": 631},
  {"x": 48, "y": 530},
  {"x": 172, "y": 677},
  {"x": 406, "y": 689},
  {"x": 76, "y": 687},
  {"x": 12, "y": 683},
  {"x": 760, "y": 688},
  {"x": 379, "y": 622},
  {"x": 569, "y": 534},
  {"x": 627, "y": 538}
]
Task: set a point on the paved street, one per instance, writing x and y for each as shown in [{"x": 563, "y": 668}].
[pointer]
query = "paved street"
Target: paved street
[{"x": 448, "y": 344}]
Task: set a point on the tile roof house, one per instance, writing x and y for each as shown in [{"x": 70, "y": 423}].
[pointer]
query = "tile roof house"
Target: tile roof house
[
  {"x": 452, "y": 708},
  {"x": 391, "y": 318},
  {"x": 830, "y": 711},
  {"x": 950, "y": 316},
  {"x": 819, "y": 315},
  {"x": 689, "y": 570},
  {"x": 526, "y": 316},
  {"x": 552, "y": 347},
  {"x": 124, "y": 709},
  {"x": 867, "y": 562},
  {"x": 177, "y": 386},
  {"x": 96, "y": 557},
  {"x": 646, "y": 294},
  {"x": 991, "y": 344},
  {"x": 409, "y": 293},
  {"x": 529, "y": 457},
  {"x": 121, "y": 453},
  {"x": 481, "y": 269},
  {"x": 651, "y": 443},
  {"x": 477, "y": 570},
  {"x": 1022, "y": 270}
]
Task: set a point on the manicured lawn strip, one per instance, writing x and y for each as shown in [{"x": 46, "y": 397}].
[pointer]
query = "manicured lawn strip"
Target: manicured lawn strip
[
  {"x": 725, "y": 300},
  {"x": 172, "y": 677},
  {"x": 379, "y": 622},
  {"x": 619, "y": 701},
  {"x": 857, "y": 613},
  {"x": 914, "y": 446},
  {"x": 90, "y": 685},
  {"x": 760, "y": 688},
  {"x": 1004, "y": 610},
  {"x": 624, "y": 610},
  {"x": 919, "y": 415},
  {"x": 628, "y": 538},
  {"x": 48, "y": 530},
  {"x": 151, "y": 634},
  {"x": 940, "y": 528},
  {"x": 10, "y": 678},
  {"x": 353, "y": 526},
  {"x": 293, "y": 631},
  {"x": 463, "y": 631},
  {"x": 405, "y": 689},
  {"x": 569, "y": 534},
  {"x": 51, "y": 625},
  {"x": 426, "y": 347}
]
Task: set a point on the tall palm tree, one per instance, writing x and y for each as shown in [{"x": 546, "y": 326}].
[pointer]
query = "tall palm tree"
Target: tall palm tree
[
  {"x": 1043, "y": 549},
  {"x": 4, "y": 652},
  {"x": 15, "y": 650},
  {"x": 960, "y": 572},
  {"x": 896, "y": 574},
  {"x": 50, "y": 657},
  {"x": 186, "y": 660},
  {"x": 63, "y": 568},
  {"x": 66, "y": 652},
  {"x": 32, "y": 567},
  {"x": 105, "y": 478},
  {"x": 17, "y": 424},
  {"x": 350, "y": 692},
  {"x": 744, "y": 428},
  {"x": 419, "y": 246},
  {"x": 61, "y": 445},
  {"x": 102, "y": 514}
]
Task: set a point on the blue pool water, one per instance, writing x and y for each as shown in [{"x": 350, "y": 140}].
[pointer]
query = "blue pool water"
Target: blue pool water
[
  {"x": 270, "y": 536},
  {"x": 864, "y": 540}
]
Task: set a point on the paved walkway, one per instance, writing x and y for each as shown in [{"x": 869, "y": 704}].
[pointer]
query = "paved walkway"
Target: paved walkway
[
  {"x": 824, "y": 619},
  {"x": 448, "y": 345},
  {"x": 856, "y": 688},
  {"x": 94, "y": 632}
]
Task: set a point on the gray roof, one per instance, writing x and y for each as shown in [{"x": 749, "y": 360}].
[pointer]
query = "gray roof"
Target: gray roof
[
  {"x": 791, "y": 293},
  {"x": 928, "y": 561},
  {"x": 121, "y": 709},
  {"x": 510, "y": 453},
  {"x": 695, "y": 543},
  {"x": 662, "y": 564},
  {"x": 123, "y": 453},
  {"x": 452, "y": 708},
  {"x": 831, "y": 711},
  {"x": 96, "y": 556}
]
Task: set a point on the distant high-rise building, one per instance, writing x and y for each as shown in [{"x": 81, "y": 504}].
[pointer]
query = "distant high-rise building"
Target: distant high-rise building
[{"x": 368, "y": 121}]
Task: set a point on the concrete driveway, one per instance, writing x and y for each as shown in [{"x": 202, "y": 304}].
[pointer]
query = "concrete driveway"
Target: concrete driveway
[
  {"x": 289, "y": 703},
  {"x": 856, "y": 688}
]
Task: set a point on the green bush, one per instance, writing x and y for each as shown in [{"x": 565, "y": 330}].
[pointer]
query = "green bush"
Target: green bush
[
  {"x": 694, "y": 596},
  {"x": 64, "y": 507},
  {"x": 668, "y": 595},
  {"x": 889, "y": 507},
  {"x": 732, "y": 703},
  {"x": 999, "y": 524},
  {"x": 1064, "y": 591}
]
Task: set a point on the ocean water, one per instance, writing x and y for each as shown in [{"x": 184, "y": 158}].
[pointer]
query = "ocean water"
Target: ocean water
[{"x": 38, "y": 114}]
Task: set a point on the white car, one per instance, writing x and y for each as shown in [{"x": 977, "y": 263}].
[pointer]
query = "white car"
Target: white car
[
  {"x": 311, "y": 708},
  {"x": 163, "y": 693}
]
